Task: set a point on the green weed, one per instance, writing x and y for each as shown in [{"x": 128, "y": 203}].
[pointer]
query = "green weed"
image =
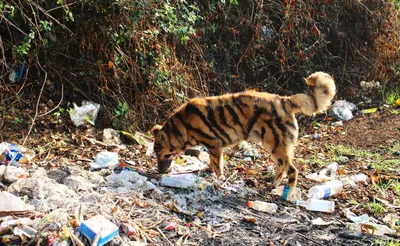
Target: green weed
[
  {"x": 375, "y": 208},
  {"x": 395, "y": 185},
  {"x": 381, "y": 242},
  {"x": 391, "y": 95},
  {"x": 121, "y": 114},
  {"x": 313, "y": 160},
  {"x": 385, "y": 164},
  {"x": 349, "y": 151}
]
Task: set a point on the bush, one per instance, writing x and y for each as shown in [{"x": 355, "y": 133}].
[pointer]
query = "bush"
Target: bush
[{"x": 141, "y": 59}]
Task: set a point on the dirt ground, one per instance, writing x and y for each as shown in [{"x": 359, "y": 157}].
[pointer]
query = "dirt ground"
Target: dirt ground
[{"x": 368, "y": 144}]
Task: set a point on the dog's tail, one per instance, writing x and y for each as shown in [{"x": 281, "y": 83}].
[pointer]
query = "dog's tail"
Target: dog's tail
[{"x": 318, "y": 98}]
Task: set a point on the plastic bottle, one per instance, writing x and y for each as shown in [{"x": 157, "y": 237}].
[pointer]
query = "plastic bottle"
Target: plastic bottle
[
  {"x": 262, "y": 206},
  {"x": 317, "y": 205},
  {"x": 325, "y": 190}
]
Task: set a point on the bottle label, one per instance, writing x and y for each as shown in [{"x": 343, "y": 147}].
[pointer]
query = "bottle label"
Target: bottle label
[{"x": 327, "y": 192}]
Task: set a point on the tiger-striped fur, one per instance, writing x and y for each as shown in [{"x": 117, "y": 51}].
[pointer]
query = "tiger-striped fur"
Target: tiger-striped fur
[{"x": 221, "y": 121}]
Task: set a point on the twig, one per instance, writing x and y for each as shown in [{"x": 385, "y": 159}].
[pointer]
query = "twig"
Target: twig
[
  {"x": 12, "y": 24},
  {"x": 163, "y": 235},
  {"x": 51, "y": 17},
  {"x": 310, "y": 239},
  {"x": 58, "y": 7},
  {"x": 58, "y": 105},
  {"x": 76, "y": 240},
  {"x": 233, "y": 174},
  {"x": 204, "y": 228},
  {"x": 130, "y": 212},
  {"x": 97, "y": 238},
  {"x": 94, "y": 141},
  {"x": 36, "y": 110},
  {"x": 154, "y": 225},
  {"x": 182, "y": 240},
  {"x": 142, "y": 235},
  {"x": 23, "y": 213}
]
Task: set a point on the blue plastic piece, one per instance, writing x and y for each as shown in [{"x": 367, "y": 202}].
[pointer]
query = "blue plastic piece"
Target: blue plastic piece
[
  {"x": 89, "y": 228},
  {"x": 285, "y": 193}
]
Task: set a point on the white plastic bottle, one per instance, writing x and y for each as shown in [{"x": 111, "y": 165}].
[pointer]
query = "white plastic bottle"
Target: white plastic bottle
[
  {"x": 263, "y": 206},
  {"x": 317, "y": 205},
  {"x": 326, "y": 189}
]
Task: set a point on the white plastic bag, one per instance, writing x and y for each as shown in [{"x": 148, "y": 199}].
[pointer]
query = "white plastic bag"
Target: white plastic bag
[
  {"x": 342, "y": 110},
  {"x": 87, "y": 112}
]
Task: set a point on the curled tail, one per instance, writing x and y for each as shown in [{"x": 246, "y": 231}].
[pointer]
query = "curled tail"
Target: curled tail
[{"x": 318, "y": 98}]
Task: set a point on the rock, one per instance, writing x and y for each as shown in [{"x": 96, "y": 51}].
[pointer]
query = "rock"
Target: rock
[
  {"x": 78, "y": 183},
  {"x": 95, "y": 178},
  {"x": 111, "y": 137},
  {"x": 39, "y": 173},
  {"x": 126, "y": 180},
  {"x": 58, "y": 175},
  {"x": 344, "y": 159},
  {"x": 44, "y": 192},
  {"x": 12, "y": 173},
  {"x": 92, "y": 198}
]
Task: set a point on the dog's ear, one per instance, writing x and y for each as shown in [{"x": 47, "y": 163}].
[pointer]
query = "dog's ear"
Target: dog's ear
[
  {"x": 156, "y": 129},
  {"x": 310, "y": 80}
]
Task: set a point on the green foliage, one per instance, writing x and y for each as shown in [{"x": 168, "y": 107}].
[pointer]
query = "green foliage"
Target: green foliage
[
  {"x": 121, "y": 114},
  {"x": 63, "y": 112},
  {"x": 23, "y": 49},
  {"x": 165, "y": 52},
  {"x": 390, "y": 95},
  {"x": 6, "y": 9},
  {"x": 17, "y": 120},
  {"x": 121, "y": 110},
  {"x": 178, "y": 21}
]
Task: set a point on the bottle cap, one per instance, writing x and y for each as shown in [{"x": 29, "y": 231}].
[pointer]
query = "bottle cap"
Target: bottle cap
[{"x": 250, "y": 204}]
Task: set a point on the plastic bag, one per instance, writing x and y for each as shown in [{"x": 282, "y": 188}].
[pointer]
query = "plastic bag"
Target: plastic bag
[
  {"x": 87, "y": 112},
  {"x": 342, "y": 110},
  {"x": 105, "y": 159}
]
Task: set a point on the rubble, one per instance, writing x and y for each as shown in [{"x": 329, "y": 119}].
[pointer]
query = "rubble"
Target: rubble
[{"x": 53, "y": 199}]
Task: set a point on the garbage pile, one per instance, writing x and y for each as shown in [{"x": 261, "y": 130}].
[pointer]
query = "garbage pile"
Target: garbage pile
[{"x": 111, "y": 200}]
